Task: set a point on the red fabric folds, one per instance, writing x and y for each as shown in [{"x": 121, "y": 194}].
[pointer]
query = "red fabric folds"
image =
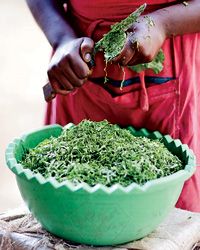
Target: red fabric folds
[{"x": 171, "y": 108}]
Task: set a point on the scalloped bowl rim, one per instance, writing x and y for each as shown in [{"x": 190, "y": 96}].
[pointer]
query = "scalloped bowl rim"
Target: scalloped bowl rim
[{"x": 19, "y": 170}]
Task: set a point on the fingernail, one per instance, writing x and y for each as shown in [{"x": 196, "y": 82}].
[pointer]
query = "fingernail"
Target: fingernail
[{"x": 88, "y": 57}]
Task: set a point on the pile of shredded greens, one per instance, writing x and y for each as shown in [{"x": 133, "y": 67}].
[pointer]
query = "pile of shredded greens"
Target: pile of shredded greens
[
  {"x": 113, "y": 42},
  {"x": 99, "y": 152}
]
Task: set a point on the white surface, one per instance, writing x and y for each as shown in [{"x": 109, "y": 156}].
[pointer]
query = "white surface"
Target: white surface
[{"x": 24, "y": 58}]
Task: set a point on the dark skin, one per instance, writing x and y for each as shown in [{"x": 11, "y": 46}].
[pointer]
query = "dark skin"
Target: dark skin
[{"x": 68, "y": 67}]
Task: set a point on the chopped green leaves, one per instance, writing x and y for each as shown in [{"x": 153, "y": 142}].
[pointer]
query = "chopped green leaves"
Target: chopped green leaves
[
  {"x": 156, "y": 65},
  {"x": 113, "y": 42},
  {"x": 99, "y": 152}
]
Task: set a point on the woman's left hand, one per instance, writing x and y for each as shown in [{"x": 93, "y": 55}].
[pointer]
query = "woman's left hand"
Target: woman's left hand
[{"x": 144, "y": 39}]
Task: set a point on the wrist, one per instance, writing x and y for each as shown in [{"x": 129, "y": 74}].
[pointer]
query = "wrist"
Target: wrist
[
  {"x": 165, "y": 24},
  {"x": 160, "y": 24},
  {"x": 60, "y": 40}
]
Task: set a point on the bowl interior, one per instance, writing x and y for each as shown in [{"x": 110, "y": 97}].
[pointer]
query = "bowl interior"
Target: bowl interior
[{"x": 18, "y": 147}]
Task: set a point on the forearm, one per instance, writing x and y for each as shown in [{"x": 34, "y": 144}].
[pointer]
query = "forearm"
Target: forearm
[
  {"x": 51, "y": 17},
  {"x": 180, "y": 19}
]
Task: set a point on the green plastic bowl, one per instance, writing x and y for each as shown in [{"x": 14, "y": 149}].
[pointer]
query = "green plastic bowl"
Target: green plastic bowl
[{"x": 98, "y": 215}]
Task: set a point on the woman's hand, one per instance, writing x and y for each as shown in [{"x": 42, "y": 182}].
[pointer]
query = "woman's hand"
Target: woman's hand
[
  {"x": 144, "y": 39},
  {"x": 68, "y": 67}
]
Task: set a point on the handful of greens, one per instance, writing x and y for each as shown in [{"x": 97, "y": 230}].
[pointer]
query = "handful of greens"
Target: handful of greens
[
  {"x": 113, "y": 42},
  {"x": 99, "y": 152}
]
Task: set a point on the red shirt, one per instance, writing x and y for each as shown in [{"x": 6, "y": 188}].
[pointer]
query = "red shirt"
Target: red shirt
[{"x": 174, "y": 105}]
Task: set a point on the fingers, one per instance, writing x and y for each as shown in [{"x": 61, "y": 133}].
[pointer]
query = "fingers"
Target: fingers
[
  {"x": 67, "y": 69},
  {"x": 63, "y": 79},
  {"x": 76, "y": 67},
  {"x": 86, "y": 49},
  {"x": 80, "y": 68},
  {"x": 142, "y": 55},
  {"x": 57, "y": 89},
  {"x": 74, "y": 71},
  {"x": 126, "y": 55},
  {"x": 58, "y": 82},
  {"x": 133, "y": 54}
]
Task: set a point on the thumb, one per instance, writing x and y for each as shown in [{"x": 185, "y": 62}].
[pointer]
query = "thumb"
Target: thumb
[{"x": 87, "y": 47}]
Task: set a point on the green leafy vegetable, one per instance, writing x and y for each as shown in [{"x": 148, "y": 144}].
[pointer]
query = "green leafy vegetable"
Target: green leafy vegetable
[
  {"x": 113, "y": 42},
  {"x": 99, "y": 152},
  {"x": 156, "y": 65}
]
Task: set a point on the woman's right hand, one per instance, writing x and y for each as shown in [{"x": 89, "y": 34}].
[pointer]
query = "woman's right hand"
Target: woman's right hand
[{"x": 68, "y": 67}]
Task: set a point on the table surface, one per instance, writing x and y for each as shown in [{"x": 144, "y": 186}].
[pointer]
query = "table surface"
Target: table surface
[{"x": 180, "y": 231}]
